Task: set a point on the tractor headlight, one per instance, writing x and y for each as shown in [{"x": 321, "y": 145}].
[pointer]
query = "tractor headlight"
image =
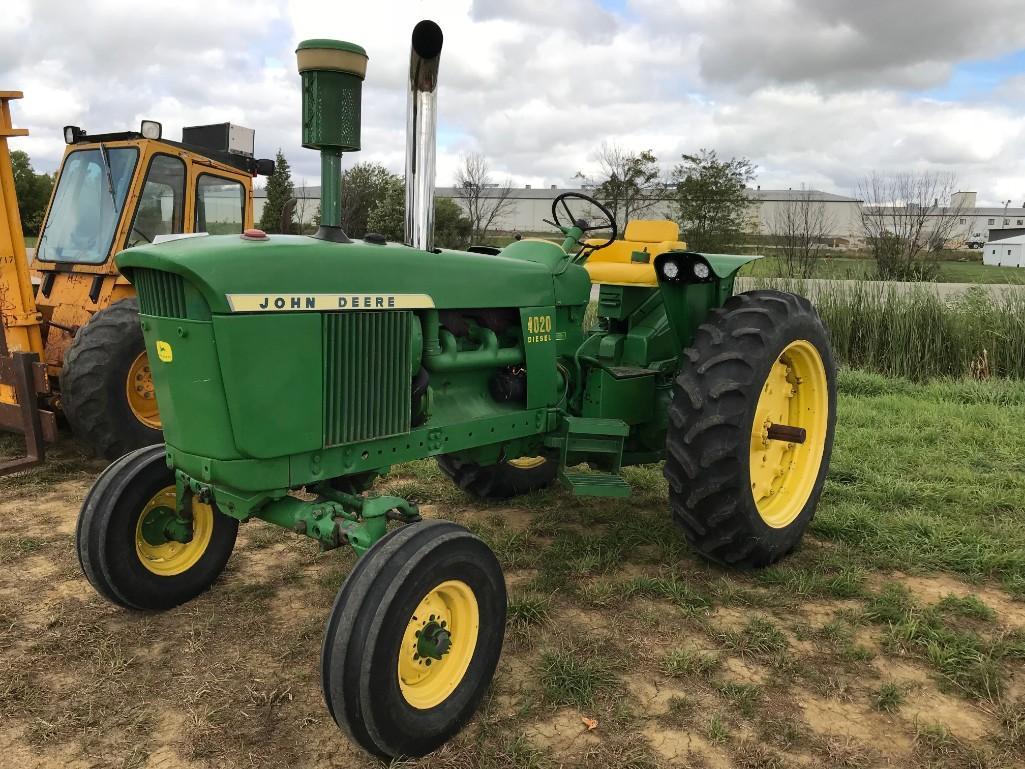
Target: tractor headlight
[
  {"x": 151, "y": 129},
  {"x": 670, "y": 270},
  {"x": 701, "y": 271}
]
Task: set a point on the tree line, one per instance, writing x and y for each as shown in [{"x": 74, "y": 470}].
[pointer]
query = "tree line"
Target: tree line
[{"x": 907, "y": 218}]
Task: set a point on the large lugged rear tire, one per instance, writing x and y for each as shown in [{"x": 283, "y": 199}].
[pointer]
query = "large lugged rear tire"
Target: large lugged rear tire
[
  {"x": 106, "y": 388},
  {"x": 413, "y": 639},
  {"x": 121, "y": 536},
  {"x": 504, "y": 480},
  {"x": 762, "y": 360}
]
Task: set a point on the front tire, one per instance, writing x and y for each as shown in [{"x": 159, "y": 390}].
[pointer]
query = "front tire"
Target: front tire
[
  {"x": 124, "y": 543},
  {"x": 503, "y": 480},
  {"x": 106, "y": 387},
  {"x": 740, "y": 496},
  {"x": 413, "y": 639}
]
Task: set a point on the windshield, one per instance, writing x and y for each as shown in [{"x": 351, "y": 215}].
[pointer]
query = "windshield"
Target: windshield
[{"x": 87, "y": 205}]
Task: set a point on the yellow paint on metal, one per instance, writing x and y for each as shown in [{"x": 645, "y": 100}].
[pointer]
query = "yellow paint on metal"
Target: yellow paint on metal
[
  {"x": 142, "y": 398},
  {"x": 172, "y": 558},
  {"x": 783, "y": 474},
  {"x": 427, "y": 682},
  {"x": 527, "y": 463}
]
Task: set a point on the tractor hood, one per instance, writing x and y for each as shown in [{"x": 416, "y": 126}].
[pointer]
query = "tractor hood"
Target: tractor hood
[{"x": 223, "y": 268}]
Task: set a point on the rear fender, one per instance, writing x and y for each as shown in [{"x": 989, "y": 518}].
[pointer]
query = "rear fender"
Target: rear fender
[{"x": 698, "y": 284}]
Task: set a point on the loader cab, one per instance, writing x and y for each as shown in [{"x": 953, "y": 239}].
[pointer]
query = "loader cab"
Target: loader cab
[{"x": 120, "y": 190}]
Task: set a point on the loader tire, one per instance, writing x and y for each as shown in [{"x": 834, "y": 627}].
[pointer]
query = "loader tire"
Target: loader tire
[
  {"x": 100, "y": 367},
  {"x": 763, "y": 360},
  {"x": 504, "y": 480}
]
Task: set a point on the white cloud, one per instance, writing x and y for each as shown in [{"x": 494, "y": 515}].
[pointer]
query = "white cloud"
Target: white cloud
[{"x": 813, "y": 91}]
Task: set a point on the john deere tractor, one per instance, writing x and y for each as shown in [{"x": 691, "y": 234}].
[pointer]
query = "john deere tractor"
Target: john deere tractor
[{"x": 287, "y": 363}]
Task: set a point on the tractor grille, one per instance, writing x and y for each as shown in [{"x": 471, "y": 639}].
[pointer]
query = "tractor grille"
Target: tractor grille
[
  {"x": 366, "y": 375},
  {"x": 160, "y": 293}
]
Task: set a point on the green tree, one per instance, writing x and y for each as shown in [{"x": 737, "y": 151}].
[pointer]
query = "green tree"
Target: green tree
[
  {"x": 364, "y": 186},
  {"x": 389, "y": 214},
  {"x": 630, "y": 183},
  {"x": 33, "y": 192},
  {"x": 279, "y": 189},
  {"x": 710, "y": 199},
  {"x": 452, "y": 228}
]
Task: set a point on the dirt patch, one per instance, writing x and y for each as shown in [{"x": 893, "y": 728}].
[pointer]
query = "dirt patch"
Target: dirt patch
[{"x": 852, "y": 720}]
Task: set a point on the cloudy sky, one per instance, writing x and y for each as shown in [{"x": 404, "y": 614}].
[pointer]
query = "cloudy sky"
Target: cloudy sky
[{"x": 815, "y": 92}]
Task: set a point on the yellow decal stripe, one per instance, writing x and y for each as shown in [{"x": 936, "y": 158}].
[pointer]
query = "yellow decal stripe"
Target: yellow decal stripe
[{"x": 327, "y": 302}]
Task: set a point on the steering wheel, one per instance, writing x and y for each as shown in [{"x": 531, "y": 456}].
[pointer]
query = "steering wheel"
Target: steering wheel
[{"x": 608, "y": 222}]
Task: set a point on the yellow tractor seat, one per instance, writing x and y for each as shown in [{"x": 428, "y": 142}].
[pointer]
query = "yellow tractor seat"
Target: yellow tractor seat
[{"x": 617, "y": 265}]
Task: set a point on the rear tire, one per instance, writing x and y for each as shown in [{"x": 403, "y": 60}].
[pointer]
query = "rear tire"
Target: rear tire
[
  {"x": 504, "y": 480},
  {"x": 387, "y": 697},
  {"x": 95, "y": 381},
  {"x": 739, "y": 498},
  {"x": 133, "y": 572}
]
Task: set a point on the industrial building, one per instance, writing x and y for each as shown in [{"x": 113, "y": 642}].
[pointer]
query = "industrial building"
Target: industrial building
[{"x": 530, "y": 206}]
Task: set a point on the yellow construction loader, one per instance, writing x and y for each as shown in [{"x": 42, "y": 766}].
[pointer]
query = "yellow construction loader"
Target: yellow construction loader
[{"x": 114, "y": 191}]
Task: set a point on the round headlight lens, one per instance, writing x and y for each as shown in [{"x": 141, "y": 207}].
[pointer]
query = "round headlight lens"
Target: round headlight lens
[
  {"x": 670, "y": 269},
  {"x": 701, "y": 270}
]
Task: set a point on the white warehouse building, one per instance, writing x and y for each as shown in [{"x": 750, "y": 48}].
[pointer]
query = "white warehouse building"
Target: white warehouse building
[
  {"x": 1005, "y": 252},
  {"x": 529, "y": 207}
]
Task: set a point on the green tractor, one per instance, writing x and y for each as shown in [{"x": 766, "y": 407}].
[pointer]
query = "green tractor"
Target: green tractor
[{"x": 288, "y": 363}]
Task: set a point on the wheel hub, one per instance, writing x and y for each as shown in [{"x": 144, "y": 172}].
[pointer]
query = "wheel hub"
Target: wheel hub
[
  {"x": 168, "y": 544},
  {"x": 438, "y": 644},
  {"x": 788, "y": 434},
  {"x": 434, "y": 640}
]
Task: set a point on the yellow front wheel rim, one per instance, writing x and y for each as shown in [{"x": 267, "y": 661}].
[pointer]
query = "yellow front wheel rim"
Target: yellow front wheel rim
[
  {"x": 142, "y": 398},
  {"x": 527, "y": 463},
  {"x": 796, "y": 394},
  {"x": 438, "y": 644},
  {"x": 172, "y": 557}
]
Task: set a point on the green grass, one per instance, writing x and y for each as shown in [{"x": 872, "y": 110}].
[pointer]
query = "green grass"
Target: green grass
[
  {"x": 685, "y": 662},
  {"x": 972, "y": 270},
  {"x": 917, "y": 335},
  {"x": 575, "y": 677},
  {"x": 927, "y": 478},
  {"x": 889, "y": 697}
]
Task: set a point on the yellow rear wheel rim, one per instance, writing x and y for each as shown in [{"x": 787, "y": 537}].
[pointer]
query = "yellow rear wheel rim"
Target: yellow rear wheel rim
[
  {"x": 450, "y": 608},
  {"x": 783, "y": 474},
  {"x": 527, "y": 463},
  {"x": 171, "y": 557},
  {"x": 142, "y": 398}
]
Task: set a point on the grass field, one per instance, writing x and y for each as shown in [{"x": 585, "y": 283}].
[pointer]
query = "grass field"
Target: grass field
[
  {"x": 846, "y": 268},
  {"x": 894, "y": 636}
]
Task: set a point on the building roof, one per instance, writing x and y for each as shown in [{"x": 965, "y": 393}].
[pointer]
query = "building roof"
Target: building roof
[
  {"x": 1018, "y": 240},
  {"x": 817, "y": 196}
]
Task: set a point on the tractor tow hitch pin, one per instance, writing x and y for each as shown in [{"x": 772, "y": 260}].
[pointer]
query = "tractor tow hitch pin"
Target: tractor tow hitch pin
[{"x": 777, "y": 432}]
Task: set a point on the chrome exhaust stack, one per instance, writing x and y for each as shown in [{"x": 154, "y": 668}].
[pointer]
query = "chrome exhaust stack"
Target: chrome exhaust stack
[{"x": 421, "y": 130}]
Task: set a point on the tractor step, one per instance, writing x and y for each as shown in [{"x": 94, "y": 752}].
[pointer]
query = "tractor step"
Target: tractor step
[
  {"x": 595, "y": 484},
  {"x": 599, "y": 443}
]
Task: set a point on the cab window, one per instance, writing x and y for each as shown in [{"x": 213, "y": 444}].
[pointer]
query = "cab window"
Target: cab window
[
  {"x": 220, "y": 205},
  {"x": 87, "y": 205},
  {"x": 161, "y": 207}
]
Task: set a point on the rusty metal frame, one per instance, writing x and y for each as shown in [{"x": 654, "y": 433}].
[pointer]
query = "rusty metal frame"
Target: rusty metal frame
[{"x": 27, "y": 375}]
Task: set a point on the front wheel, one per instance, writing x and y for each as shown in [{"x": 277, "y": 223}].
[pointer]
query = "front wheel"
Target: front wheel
[
  {"x": 751, "y": 428},
  {"x": 135, "y": 549},
  {"x": 413, "y": 639}
]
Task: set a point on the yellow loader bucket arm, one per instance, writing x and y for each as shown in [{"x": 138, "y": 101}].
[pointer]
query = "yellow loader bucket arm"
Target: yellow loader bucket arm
[{"x": 22, "y": 376}]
